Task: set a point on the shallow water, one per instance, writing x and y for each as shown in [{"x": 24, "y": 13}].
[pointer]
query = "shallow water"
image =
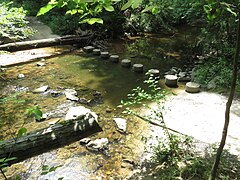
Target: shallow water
[{"x": 87, "y": 74}]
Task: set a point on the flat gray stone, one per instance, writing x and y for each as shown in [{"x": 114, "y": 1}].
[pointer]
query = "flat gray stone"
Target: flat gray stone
[
  {"x": 96, "y": 52},
  {"x": 40, "y": 89},
  {"x": 88, "y": 49},
  {"x": 104, "y": 55}
]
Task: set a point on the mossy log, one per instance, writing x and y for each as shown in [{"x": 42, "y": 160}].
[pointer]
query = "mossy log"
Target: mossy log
[
  {"x": 65, "y": 40},
  {"x": 46, "y": 139}
]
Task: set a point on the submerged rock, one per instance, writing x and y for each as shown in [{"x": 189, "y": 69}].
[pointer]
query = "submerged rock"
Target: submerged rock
[
  {"x": 21, "y": 76},
  {"x": 41, "y": 89},
  {"x": 41, "y": 64},
  {"x": 121, "y": 124}
]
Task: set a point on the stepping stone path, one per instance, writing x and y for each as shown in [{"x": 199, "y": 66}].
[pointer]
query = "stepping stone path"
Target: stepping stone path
[
  {"x": 126, "y": 63},
  {"x": 138, "y": 68},
  {"x": 192, "y": 87},
  {"x": 114, "y": 58},
  {"x": 104, "y": 55},
  {"x": 171, "y": 80},
  {"x": 88, "y": 49},
  {"x": 96, "y": 52}
]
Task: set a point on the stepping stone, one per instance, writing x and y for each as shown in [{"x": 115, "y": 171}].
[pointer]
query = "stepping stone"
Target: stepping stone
[
  {"x": 114, "y": 58},
  {"x": 126, "y": 63},
  {"x": 192, "y": 87},
  {"x": 138, "y": 68},
  {"x": 88, "y": 49},
  {"x": 104, "y": 55},
  {"x": 171, "y": 80},
  {"x": 96, "y": 52},
  {"x": 154, "y": 72}
]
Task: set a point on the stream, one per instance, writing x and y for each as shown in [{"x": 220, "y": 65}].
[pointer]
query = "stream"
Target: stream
[{"x": 88, "y": 75}]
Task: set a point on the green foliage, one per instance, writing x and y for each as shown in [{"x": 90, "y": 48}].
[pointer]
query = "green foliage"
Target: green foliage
[
  {"x": 21, "y": 132},
  {"x": 4, "y": 161},
  {"x": 46, "y": 169},
  {"x": 13, "y": 24},
  {"x": 88, "y": 11},
  {"x": 36, "y": 112},
  {"x": 217, "y": 69}
]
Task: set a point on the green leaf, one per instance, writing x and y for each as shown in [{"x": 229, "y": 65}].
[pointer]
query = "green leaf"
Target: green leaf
[
  {"x": 231, "y": 11},
  {"x": 136, "y": 3},
  {"x": 147, "y": 9},
  {"x": 45, "y": 9},
  {"x": 109, "y": 8},
  {"x": 127, "y": 5},
  {"x": 154, "y": 10},
  {"x": 21, "y": 132},
  {"x": 92, "y": 21}
]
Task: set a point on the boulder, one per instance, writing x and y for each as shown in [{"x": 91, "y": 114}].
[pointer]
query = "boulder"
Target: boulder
[
  {"x": 80, "y": 112},
  {"x": 96, "y": 52}
]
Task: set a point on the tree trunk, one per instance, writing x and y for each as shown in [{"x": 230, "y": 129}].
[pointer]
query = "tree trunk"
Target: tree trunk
[
  {"x": 228, "y": 105},
  {"x": 43, "y": 140},
  {"x": 65, "y": 40}
]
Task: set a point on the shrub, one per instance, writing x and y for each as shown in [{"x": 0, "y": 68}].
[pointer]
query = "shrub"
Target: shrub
[{"x": 13, "y": 25}]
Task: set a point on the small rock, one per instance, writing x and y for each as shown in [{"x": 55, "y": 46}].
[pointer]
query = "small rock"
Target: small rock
[
  {"x": 108, "y": 110},
  {"x": 121, "y": 124},
  {"x": 182, "y": 74},
  {"x": 55, "y": 93},
  {"x": 97, "y": 94},
  {"x": 71, "y": 94},
  {"x": 98, "y": 144},
  {"x": 41, "y": 89},
  {"x": 21, "y": 76},
  {"x": 83, "y": 101},
  {"x": 3, "y": 70},
  {"x": 84, "y": 141},
  {"x": 41, "y": 64}
]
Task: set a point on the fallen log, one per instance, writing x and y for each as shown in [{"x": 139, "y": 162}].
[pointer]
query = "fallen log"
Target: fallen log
[
  {"x": 65, "y": 40},
  {"x": 46, "y": 139}
]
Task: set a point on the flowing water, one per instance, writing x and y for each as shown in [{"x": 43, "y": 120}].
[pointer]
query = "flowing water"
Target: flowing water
[{"x": 87, "y": 74}]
